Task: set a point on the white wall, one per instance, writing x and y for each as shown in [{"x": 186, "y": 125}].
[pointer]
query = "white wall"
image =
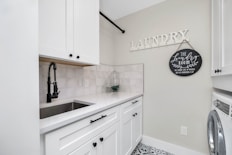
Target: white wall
[
  {"x": 19, "y": 84},
  {"x": 169, "y": 100}
]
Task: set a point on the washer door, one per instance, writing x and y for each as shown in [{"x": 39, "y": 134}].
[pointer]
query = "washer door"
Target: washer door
[{"x": 216, "y": 139}]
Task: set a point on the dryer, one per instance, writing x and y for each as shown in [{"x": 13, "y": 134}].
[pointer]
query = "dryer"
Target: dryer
[{"x": 219, "y": 125}]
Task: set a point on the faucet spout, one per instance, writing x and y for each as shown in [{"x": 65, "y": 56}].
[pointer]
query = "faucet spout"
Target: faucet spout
[{"x": 55, "y": 87}]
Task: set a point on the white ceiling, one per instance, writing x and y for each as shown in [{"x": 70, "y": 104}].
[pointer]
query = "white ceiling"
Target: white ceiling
[{"x": 116, "y": 9}]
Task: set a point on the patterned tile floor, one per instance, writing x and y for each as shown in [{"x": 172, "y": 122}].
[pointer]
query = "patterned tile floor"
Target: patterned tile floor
[{"x": 142, "y": 149}]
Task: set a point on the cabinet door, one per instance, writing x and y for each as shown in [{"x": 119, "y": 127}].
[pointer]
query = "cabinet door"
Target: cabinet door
[
  {"x": 216, "y": 36},
  {"x": 226, "y": 55},
  {"x": 109, "y": 141},
  {"x": 53, "y": 30},
  {"x": 137, "y": 127},
  {"x": 69, "y": 30},
  {"x": 86, "y": 30},
  {"x": 89, "y": 148},
  {"x": 131, "y": 125},
  {"x": 126, "y": 134}
]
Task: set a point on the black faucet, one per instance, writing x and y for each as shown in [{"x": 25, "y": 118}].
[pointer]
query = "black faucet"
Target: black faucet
[{"x": 55, "y": 88}]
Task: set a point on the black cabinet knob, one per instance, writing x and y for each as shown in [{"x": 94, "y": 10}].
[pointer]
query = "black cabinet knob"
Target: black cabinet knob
[
  {"x": 78, "y": 57},
  {"x": 70, "y": 55},
  {"x": 94, "y": 144},
  {"x": 217, "y": 71},
  {"x": 101, "y": 139},
  {"x": 135, "y": 114}
]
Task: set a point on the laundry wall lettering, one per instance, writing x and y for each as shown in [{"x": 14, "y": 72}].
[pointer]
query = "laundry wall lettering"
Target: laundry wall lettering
[{"x": 160, "y": 40}]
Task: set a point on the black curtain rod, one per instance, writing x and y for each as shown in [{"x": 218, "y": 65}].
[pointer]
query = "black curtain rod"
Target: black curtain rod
[{"x": 123, "y": 31}]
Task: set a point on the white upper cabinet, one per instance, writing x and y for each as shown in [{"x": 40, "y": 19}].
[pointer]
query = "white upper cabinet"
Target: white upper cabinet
[
  {"x": 221, "y": 37},
  {"x": 216, "y": 36},
  {"x": 226, "y": 37},
  {"x": 69, "y": 30},
  {"x": 86, "y": 30}
]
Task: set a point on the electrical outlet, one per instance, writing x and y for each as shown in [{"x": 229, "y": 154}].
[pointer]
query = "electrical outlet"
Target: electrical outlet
[{"x": 184, "y": 130}]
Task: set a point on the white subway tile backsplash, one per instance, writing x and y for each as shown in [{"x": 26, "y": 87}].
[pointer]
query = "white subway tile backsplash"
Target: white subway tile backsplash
[
  {"x": 62, "y": 83},
  {"x": 76, "y": 81}
]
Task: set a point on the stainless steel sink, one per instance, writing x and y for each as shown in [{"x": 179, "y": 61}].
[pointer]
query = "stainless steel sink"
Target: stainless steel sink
[{"x": 59, "y": 109}]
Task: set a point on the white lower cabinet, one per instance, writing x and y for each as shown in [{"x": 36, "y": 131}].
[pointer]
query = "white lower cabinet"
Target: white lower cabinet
[
  {"x": 109, "y": 141},
  {"x": 115, "y": 131},
  {"x": 126, "y": 135},
  {"x": 104, "y": 144},
  {"x": 70, "y": 138},
  {"x": 86, "y": 149},
  {"x": 131, "y": 125},
  {"x": 137, "y": 127}
]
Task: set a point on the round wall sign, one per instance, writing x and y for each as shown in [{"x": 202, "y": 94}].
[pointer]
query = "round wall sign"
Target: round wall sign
[{"x": 185, "y": 62}]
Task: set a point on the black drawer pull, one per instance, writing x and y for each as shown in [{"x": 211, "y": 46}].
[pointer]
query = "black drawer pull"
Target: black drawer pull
[
  {"x": 135, "y": 102},
  {"x": 103, "y": 116}
]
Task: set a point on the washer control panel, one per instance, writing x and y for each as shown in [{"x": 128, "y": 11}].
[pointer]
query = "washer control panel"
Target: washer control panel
[{"x": 222, "y": 106}]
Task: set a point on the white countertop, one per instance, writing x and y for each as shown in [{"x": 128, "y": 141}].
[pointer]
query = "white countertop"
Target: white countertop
[{"x": 99, "y": 103}]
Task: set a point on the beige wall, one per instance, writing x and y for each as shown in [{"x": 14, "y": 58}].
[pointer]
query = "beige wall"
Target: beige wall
[
  {"x": 169, "y": 100},
  {"x": 107, "y": 47}
]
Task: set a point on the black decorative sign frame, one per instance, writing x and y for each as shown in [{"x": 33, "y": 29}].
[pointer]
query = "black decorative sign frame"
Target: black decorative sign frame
[{"x": 185, "y": 62}]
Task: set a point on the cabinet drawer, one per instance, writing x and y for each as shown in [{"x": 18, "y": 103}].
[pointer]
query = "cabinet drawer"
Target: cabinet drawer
[
  {"x": 66, "y": 139},
  {"x": 130, "y": 105}
]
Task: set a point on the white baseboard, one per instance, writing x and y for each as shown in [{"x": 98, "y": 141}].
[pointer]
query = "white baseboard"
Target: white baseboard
[{"x": 172, "y": 148}]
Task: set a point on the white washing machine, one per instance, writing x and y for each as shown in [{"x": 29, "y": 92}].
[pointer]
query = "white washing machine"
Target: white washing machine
[{"x": 220, "y": 125}]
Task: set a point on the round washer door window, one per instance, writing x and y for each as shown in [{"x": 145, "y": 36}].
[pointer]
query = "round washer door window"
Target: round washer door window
[{"x": 216, "y": 139}]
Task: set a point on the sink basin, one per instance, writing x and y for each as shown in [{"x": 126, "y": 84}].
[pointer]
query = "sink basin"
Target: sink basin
[{"x": 59, "y": 109}]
